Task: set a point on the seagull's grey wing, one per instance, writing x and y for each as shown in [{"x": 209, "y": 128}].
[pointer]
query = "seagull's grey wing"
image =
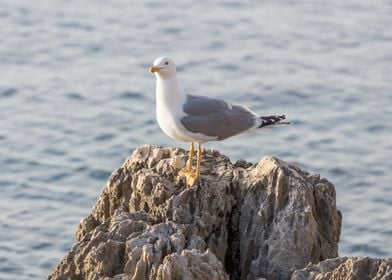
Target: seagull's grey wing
[
  {"x": 200, "y": 105},
  {"x": 216, "y": 118}
]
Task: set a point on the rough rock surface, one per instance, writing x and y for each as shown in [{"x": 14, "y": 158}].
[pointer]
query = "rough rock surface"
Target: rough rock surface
[
  {"x": 241, "y": 221},
  {"x": 361, "y": 268}
]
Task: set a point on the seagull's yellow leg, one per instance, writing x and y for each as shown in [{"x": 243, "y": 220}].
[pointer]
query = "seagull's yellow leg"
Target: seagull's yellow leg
[
  {"x": 192, "y": 177},
  {"x": 199, "y": 151},
  {"x": 188, "y": 170},
  {"x": 191, "y": 154}
]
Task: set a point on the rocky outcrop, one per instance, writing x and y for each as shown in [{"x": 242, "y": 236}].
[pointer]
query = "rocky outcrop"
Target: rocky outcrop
[
  {"x": 241, "y": 221},
  {"x": 361, "y": 268}
]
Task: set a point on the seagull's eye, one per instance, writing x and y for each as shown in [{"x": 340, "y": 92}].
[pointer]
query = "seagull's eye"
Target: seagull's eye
[{"x": 167, "y": 63}]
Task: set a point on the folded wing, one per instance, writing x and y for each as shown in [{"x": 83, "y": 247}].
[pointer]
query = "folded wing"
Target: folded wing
[{"x": 215, "y": 117}]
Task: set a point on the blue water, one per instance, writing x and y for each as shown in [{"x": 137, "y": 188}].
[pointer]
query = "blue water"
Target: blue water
[{"x": 76, "y": 99}]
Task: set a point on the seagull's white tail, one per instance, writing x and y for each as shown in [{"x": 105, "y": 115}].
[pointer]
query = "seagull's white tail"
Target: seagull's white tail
[{"x": 272, "y": 120}]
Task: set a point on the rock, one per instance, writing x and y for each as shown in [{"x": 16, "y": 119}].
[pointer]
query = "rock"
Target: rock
[
  {"x": 347, "y": 268},
  {"x": 192, "y": 265},
  {"x": 288, "y": 218},
  {"x": 240, "y": 221}
]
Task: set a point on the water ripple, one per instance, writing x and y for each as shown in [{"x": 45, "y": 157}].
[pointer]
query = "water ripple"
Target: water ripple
[
  {"x": 76, "y": 99},
  {"x": 8, "y": 92}
]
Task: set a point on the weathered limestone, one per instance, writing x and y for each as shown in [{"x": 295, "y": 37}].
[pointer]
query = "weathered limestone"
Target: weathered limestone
[
  {"x": 288, "y": 219},
  {"x": 240, "y": 221},
  {"x": 361, "y": 268}
]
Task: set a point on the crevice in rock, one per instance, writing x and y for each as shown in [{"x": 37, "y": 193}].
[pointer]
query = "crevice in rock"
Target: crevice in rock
[
  {"x": 119, "y": 267},
  {"x": 232, "y": 258}
]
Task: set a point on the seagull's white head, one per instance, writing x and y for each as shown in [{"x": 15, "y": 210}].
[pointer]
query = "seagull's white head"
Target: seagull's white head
[{"x": 163, "y": 67}]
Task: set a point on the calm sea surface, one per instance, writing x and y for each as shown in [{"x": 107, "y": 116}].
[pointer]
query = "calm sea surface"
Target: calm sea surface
[{"x": 76, "y": 99}]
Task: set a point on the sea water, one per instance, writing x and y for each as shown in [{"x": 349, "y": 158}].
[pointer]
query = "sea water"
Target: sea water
[{"x": 76, "y": 99}]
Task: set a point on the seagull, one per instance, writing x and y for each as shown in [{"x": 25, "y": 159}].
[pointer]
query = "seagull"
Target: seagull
[{"x": 199, "y": 119}]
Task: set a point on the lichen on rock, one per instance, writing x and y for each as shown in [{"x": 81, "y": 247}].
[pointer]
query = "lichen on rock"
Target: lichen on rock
[{"x": 241, "y": 221}]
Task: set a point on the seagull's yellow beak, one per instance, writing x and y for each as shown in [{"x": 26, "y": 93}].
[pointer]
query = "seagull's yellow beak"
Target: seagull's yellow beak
[{"x": 154, "y": 69}]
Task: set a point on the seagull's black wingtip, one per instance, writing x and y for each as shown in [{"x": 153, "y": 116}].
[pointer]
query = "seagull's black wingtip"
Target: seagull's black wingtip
[{"x": 272, "y": 120}]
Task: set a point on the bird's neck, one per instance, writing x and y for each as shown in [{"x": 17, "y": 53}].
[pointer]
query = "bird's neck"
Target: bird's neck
[{"x": 168, "y": 92}]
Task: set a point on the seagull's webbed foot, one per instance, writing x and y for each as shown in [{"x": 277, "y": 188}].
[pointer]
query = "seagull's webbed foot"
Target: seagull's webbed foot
[
  {"x": 192, "y": 178},
  {"x": 190, "y": 175},
  {"x": 185, "y": 172}
]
